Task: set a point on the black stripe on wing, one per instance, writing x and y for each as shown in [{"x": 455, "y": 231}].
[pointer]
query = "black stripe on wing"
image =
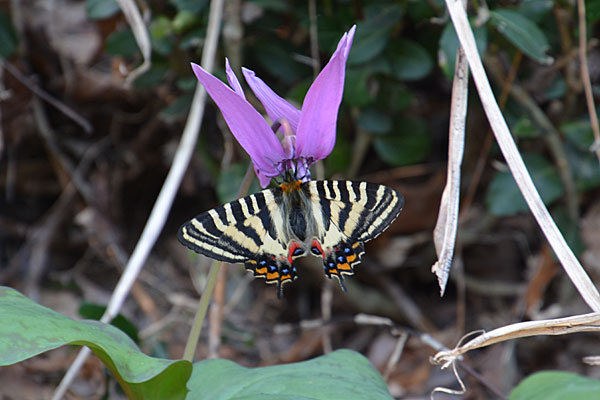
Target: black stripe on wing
[{"x": 223, "y": 234}]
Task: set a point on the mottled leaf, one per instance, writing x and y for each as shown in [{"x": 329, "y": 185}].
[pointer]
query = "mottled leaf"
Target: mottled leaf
[{"x": 28, "y": 329}]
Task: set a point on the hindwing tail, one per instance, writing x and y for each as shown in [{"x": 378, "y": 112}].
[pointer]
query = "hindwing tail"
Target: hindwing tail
[{"x": 352, "y": 213}]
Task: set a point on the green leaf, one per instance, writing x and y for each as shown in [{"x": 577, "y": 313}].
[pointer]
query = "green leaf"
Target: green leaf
[
  {"x": 230, "y": 180},
  {"x": 409, "y": 144},
  {"x": 569, "y": 229},
  {"x": 8, "y": 37},
  {"x": 342, "y": 374},
  {"x": 557, "y": 90},
  {"x": 95, "y": 311},
  {"x": 536, "y": 10},
  {"x": 161, "y": 33},
  {"x": 285, "y": 67},
  {"x": 121, "y": 43},
  {"x": 556, "y": 385},
  {"x": 592, "y": 11},
  {"x": 374, "y": 121},
  {"x": 101, "y": 9},
  {"x": 449, "y": 45},
  {"x": 193, "y": 6},
  {"x": 356, "y": 92},
  {"x": 410, "y": 61},
  {"x": 584, "y": 165},
  {"x": 503, "y": 196},
  {"x": 340, "y": 158},
  {"x": 525, "y": 129},
  {"x": 579, "y": 133},
  {"x": 523, "y": 33},
  {"x": 372, "y": 34},
  {"x": 153, "y": 77},
  {"x": 178, "y": 108},
  {"x": 28, "y": 329},
  {"x": 184, "y": 20}
]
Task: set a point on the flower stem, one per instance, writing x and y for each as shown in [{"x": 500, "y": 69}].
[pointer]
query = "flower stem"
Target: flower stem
[
  {"x": 190, "y": 346},
  {"x": 213, "y": 274}
]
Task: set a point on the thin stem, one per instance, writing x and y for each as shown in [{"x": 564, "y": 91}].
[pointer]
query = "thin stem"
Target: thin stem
[
  {"x": 213, "y": 274},
  {"x": 190, "y": 346}
]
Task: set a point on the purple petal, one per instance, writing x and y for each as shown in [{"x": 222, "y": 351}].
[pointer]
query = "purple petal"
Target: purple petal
[
  {"x": 233, "y": 80},
  {"x": 315, "y": 136},
  {"x": 263, "y": 179},
  {"x": 275, "y": 106},
  {"x": 247, "y": 125}
]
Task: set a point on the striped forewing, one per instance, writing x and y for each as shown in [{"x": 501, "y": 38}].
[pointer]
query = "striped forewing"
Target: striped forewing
[
  {"x": 237, "y": 231},
  {"x": 360, "y": 211}
]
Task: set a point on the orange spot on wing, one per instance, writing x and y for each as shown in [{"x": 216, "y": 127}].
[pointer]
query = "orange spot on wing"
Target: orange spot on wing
[
  {"x": 261, "y": 271},
  {"x": 344, "y": 267},
  {"x": 351, "y": 258},
  {"x": 272, "y": 276}
]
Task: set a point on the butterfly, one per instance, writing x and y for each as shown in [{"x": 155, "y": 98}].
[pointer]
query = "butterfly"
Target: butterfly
[{"x": 268, "y": 230}]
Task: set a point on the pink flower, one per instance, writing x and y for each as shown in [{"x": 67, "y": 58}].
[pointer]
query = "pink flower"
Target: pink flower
[{"x": 309, "y": 133}]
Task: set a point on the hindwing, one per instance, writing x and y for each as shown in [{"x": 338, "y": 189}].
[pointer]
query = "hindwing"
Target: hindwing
[
  {"x": 350, "y": 214},
  {"x": 248, "y": 230}
]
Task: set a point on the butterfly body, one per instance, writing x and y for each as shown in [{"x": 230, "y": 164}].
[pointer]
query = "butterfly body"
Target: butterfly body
[{"x": 268, "y": 230}]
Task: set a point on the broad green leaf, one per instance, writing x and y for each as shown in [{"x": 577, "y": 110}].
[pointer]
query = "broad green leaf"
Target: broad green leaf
[
  {"x": 410, "y": 61},
  {"x": 579, "y": 133},
  {"x": 276, "y": 57},
  {"x": 154, "y": 76},
  {"x": 89, "y": 310},
  {"x": 584, "y": 165},
  {"x": 28, "y": 329},
  {"x": 340, "y": 158},
  {"x": 557, "y": 90},
  {"x": 161, "y": 33},
  {"x": 407, "y": 144},
  {"x": 356, "y": 92},
  {"x": 342, "y": 374},
  {"x": 375, "y": 121},
  {"x": 569, "y": 228},
  {"x": 523, "y": 33},
  {"x": 449, "y": 45},
  {"x": 525, "y": 129},
  {"x": 121, "y": 43},
  {"x": 504, "y": 197},
  {"x": 177, "y": 109},
  {"x": 184, "y": 20},
  {"x": 274, "y": 5},
  {"x": 592, "y": 11},
  {"x": 193, "y": 6},
  {"x": 8, "y": 37},
  {"x": 230, "y": 180},
  {"x": 556, "y": 385},
  {"x": 100, "y": 9},
  {"x": 372, "y": 34},
  {"x": 536, "y": 10}
]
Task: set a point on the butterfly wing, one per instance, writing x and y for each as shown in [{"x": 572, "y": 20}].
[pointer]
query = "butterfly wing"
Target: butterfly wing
[
  {"x": 249, "y": 230},
  {"x": 351, "y": 213}
]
